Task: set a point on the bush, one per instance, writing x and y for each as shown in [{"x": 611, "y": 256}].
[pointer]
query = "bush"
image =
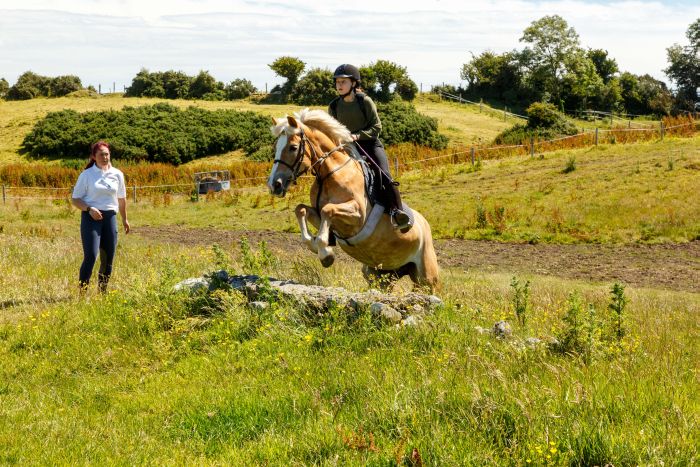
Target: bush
[
  {"x": 4, "y": 87},
  {"x": 544, "y": 122},
  {"x": 401, "y": 123},
  {"x": 239, "y": 89},
  {"x": 157, "y": 133}
]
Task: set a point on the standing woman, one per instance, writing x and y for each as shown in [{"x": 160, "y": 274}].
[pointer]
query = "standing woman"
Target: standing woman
[
  {"x": 99, "y": 193},
  {"x": 358, "y": 113}
]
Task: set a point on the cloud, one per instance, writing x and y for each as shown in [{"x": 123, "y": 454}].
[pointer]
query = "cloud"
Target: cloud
[{"x": 108, "y": 42}]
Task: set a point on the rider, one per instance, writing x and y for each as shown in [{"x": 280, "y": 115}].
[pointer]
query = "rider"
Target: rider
[{"x": 358, "y": 113}]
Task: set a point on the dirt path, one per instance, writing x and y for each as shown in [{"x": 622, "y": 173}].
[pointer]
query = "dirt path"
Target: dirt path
[{"x": 670, "y": 266}]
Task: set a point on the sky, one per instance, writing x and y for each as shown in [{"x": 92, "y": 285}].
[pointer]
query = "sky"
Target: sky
[{"x": 107, "y": 42}]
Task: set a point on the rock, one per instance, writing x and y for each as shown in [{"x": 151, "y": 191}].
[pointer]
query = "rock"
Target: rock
[
  {"x": 481, "y": 330},
  {"x": 192, "y": 285},
  {"x": 502, "y": 330},
  {"x": 386, "y": 312},
  {"x": 393, "y": 308}
]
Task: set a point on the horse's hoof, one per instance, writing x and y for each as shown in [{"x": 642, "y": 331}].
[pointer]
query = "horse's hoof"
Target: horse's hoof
[{"x": 327, "y": 261}]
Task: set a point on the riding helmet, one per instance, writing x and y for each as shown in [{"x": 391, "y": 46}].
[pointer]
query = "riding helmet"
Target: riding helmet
[{"x": 347, "y": 71}]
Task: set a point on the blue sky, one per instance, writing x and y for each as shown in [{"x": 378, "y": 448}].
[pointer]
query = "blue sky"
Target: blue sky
[{"x": 106, "y": 42}]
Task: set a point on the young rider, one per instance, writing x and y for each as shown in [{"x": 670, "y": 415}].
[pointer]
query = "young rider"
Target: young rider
[{"x": 358, "y": 113}]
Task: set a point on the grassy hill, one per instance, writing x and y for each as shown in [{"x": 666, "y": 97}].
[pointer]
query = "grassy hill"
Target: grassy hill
[{"x": 463, "y": 125}]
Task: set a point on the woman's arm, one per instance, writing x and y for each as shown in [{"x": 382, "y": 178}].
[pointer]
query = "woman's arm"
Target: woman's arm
[
  {"x": 122, "y": 213},
  {"x": 83, "y": 206}
]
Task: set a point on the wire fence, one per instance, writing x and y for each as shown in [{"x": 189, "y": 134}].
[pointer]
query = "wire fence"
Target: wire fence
[{"x": 406, "y": 161}]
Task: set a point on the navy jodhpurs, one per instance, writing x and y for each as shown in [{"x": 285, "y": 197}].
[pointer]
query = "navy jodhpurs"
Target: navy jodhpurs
[{"x": 98, "y": 237}]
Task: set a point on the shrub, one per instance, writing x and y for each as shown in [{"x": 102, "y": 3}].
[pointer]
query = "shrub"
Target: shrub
[
  {"x": 156, "y": 133},
  {"x": 544, "y": 122},
  {"x": 401, "y": 123},
  {"x": 4, "y": 88}
]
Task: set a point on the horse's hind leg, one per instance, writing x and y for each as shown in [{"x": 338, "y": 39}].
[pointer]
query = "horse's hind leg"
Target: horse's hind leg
[
  {"x": 426, "y": 272},
  {"x": 304, "y": 213}
]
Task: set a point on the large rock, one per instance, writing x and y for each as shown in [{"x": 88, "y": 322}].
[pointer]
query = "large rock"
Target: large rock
[{"x": 392, "y": 308}]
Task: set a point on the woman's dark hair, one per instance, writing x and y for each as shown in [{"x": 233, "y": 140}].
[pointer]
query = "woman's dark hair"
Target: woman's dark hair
[{"x": 93, "y": 152}]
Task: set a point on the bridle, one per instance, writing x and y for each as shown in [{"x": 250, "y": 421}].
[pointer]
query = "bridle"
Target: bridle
[{"x": 313, "y": 168}]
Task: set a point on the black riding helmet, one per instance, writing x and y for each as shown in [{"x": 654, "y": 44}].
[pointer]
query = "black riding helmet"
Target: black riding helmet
[{"x": 347, "y": 71}]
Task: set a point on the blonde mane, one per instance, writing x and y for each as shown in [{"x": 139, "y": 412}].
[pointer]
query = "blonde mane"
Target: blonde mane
[{"x": 318, "y": 120}]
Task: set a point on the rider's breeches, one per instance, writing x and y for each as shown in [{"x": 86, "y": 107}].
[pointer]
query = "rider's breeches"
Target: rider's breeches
[{"x": 375, "y": 149}]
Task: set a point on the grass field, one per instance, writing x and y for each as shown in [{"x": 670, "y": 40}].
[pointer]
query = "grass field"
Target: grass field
[{"x": 144, "y": 375}]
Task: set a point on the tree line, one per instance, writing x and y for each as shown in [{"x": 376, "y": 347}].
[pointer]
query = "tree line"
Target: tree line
[{"x": 554, "y": 68}]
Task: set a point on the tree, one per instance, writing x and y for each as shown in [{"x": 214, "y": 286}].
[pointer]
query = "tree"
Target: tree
[
  {"x": 176, "y": 84},
  {"x": 644, "y": 94},
  {"x": 28, "y": 86},
  {"x": 494, "y": 76},
  {"x": 606, "y": 67},
  {"x": 684, "y": 66},
  {"x": 581, "y": 84},
  {"x": 4, "y": 87},
  {"x": 289, "y": 68},
  {"x": 63, "y": 85},
  {"x": 315, "y": 88},
  {"x": 239, "y": 89},
  {"x": 387, "y": 74},
  {"x": 552, "y": 41},
  {"x": 205, "y": 86},
  {"x": 145, "y": 84}
]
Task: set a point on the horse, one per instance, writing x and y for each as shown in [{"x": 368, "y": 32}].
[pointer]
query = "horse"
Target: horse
[{"x": 313, "y": 141}]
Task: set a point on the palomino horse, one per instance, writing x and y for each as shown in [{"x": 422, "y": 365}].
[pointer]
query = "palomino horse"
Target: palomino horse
[{"x": 315, "y": 142}]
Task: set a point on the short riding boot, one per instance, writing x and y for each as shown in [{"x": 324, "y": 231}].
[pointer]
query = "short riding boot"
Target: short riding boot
[{"x": 400, "y": 220}]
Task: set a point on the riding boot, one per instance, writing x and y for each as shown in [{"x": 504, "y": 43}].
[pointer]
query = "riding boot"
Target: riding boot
[{"x": 399, "y": 218}]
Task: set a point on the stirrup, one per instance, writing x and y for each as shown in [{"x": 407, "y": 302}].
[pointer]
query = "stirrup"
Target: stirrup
[{"x": 400, "y": 220}]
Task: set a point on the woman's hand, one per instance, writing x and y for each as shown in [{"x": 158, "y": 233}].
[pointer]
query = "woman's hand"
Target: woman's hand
[
  {"x": 126, "y": 225},
  {"x": 95, "y": 213}
]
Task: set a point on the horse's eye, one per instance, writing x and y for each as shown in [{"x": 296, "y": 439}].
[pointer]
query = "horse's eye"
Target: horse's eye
[{"x": 293, "y": 147}]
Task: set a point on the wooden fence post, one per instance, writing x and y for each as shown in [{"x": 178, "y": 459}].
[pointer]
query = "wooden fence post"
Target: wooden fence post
[
  {"x": 532, "y": 145},
  {"x": 661, "y": 130},
  {"x": 396, "y": 167},
  {"x": 504, "y": 114},
  {"x": 472, "y": 154},
  {"x": 135, "y": 194},
  {"x": 596, "y": 136}
]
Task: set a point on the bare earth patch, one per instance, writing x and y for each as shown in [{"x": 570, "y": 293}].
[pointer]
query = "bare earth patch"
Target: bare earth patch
[{"x": 668, "y": 266}]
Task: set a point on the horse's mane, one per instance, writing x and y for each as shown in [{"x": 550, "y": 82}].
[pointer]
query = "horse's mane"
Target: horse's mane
[{"x": 318, "y": 120}]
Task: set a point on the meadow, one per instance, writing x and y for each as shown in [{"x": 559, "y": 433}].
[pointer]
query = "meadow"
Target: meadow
[{"x": 593, "y": 374}]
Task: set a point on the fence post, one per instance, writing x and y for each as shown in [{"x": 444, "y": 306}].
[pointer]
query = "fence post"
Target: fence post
[
  {"x": 481, "y": 104},
  {"x": 472, "y": 154},
  {"x": 135, "y": 194},
  {"x": 661, "y": 130},
  {"x": 396, "y": 167},
  {"x": 3, "y": 193},
  {"x": 596, "y": 136},
  {"x": 532, "y": 145},
  {"x": 504, "y": 113}
]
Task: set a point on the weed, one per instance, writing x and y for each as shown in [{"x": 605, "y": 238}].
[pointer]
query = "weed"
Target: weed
[
  {"x": 498, "y": 218},
  {"x": 617, "y": 305},
  {"x": 521, "y": 299},
  {"x": 481, "y": 221},
  {"x": 570, "y": 165}
]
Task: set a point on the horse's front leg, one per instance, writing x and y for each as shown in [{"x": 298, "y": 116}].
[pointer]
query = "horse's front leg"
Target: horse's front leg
[
  {"x": 341, "y": 213},
  {"x": 304, "y": 212}
]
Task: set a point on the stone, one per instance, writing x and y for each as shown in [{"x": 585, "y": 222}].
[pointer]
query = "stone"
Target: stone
[
  {"x": 502, "y": 330},
  {"x": 386, "y": 312}
]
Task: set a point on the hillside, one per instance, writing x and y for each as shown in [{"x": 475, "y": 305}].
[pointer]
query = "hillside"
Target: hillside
[{"x": 462, "y": 124}]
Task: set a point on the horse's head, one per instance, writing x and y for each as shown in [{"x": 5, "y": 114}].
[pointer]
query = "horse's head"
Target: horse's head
[{"x": 291, "y": 159}]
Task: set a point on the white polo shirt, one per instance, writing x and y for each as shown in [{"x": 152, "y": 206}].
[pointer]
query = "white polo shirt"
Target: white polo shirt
[{"x": 100, "y": 189}]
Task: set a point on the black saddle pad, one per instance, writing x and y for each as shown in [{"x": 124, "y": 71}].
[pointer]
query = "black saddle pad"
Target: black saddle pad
[{"x": 373, "y": 183}]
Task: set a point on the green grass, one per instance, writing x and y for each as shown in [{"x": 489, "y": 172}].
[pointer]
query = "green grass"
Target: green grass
[{"x": 143, "y": 375}]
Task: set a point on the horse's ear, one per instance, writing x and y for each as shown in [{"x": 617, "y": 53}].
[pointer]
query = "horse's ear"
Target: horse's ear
[
  {"x": 292, "y": 121},
  {"x": 274, "y": 121}
]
